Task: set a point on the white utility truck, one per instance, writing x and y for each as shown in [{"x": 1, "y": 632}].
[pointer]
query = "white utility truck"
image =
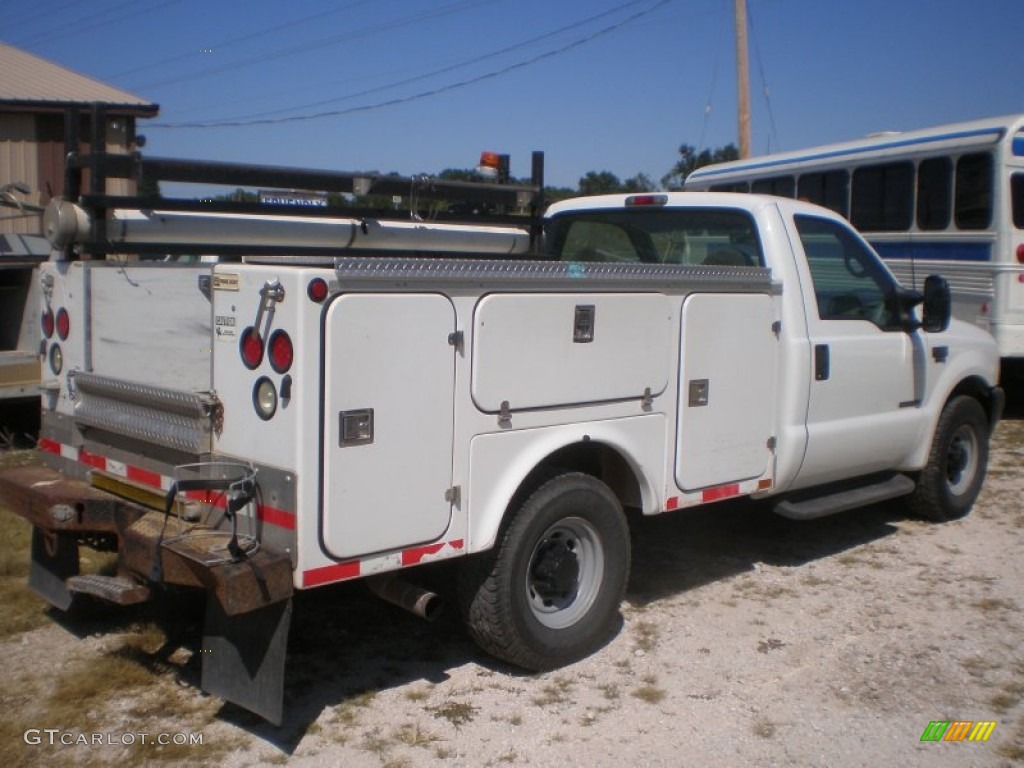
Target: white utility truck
[{"x": 346, "y": 396}]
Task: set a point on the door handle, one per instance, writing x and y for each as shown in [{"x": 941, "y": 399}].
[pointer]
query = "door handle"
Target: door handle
[{"x": 821, "y": 362}]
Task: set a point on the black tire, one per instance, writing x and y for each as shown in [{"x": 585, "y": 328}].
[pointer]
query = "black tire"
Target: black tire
[
  {"x": 548, "y": 593},
  {"x": 951, "y": 480}
]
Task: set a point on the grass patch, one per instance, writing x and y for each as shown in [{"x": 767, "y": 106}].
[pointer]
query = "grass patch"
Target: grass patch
[
  {"x": 412, "y": 735},
  {"x": 646, "y": 635},
  {"x": 23, "y": 610},
  {"x": 555, "y": 692},
  {"x": 455, "y": 712},
  {"x": 764, "y": 728},
  {"x": 649, "y": 691}
]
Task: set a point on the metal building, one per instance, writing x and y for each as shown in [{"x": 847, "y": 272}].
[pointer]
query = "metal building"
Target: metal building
[{"x": 45, "y": 112}]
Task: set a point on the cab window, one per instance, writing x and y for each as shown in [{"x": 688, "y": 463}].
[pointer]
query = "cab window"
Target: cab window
[
  {"x": 849, "y": 281},
  {"x": 695, "y": 236}
]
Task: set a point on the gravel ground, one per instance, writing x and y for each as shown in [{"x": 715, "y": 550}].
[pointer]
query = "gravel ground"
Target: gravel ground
[{"x": 746, "y": 639}]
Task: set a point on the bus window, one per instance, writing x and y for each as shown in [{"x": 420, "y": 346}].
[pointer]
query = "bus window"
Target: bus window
[
  {"x": 780, "y": 186},
  {"x": 734, "y": 186},
  {"x": 934, "y": 193},
  {"x": 882, "y": 197},
  {"x": 830, "y": 189},
  {"x": 1017, "y": 199},
  {"x": 973, "y": 202}
]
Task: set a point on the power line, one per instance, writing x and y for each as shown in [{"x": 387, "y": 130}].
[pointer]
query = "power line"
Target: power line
[
  {"x": 227, "y": 43},
  {"x": 442, "y": 70},
  {"x": 32, "y": 12},
  {"x": 425, "y": 94},
  {"x": 76, "y": 27},
  {"x": 304, "y": 48}
]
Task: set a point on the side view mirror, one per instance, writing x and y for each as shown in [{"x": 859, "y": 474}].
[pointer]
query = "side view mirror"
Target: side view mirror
[
  {"x": 938, "y": 304},
  {"x": 907, "y": 299}
]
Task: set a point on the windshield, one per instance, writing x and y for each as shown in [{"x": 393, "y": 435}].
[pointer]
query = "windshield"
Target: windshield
[{"x": 694, "y": 236}]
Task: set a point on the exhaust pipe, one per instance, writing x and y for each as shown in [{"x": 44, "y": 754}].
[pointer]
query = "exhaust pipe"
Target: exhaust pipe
[{"x": 422, "y": 602}]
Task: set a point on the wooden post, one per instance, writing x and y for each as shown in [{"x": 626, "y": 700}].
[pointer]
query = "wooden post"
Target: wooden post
[{"x": 742, "y": 77}]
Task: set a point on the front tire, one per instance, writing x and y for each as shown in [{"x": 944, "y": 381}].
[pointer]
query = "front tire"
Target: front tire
[
  {"x": 548, "y": 593},
  {"x": 950, "y": 482}
]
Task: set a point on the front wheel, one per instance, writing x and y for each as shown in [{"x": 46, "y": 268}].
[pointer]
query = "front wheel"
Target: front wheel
[
  {"x": 950, "y": 482},
  {"x": 549, "y": 591}
]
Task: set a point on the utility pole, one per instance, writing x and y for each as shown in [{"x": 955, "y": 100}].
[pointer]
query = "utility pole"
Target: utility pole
[{"x": 742, "y": 77}]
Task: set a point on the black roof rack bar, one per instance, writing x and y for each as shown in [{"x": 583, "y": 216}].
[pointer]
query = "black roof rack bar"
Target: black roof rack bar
[{"x": 135, "y": 166}]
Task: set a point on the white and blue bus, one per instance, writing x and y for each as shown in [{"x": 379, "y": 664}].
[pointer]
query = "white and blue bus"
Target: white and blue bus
[{"x": 947, "y": 200}]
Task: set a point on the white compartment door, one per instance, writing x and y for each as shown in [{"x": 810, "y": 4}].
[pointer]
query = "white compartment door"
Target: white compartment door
[
  {"x": 726, "y": 389},
  {"x": 389, "y": 377}
]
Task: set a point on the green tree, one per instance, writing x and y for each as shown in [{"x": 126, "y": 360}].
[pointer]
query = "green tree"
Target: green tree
[
  {"x": 641, "y": 182},
  {"x": 690, "y": 160},
  {"x": 600, "y": 183}
]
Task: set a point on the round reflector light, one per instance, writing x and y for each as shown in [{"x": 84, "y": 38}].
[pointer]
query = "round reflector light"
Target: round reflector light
[
  {"x": 48, "y": 322},
  {"x": 317, "y": 289},
  {"x": 1020, "y": 253},
  {"x": 63, "y": 324},
  {"x": 250, "y": 345},
  {"x": 264, "y": 398},
  {"x": 280, "y": 351},
  {"x": 56, "y": 359}
]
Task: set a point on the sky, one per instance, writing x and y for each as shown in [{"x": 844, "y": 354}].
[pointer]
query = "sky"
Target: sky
[{"x": 417, "y": 86}]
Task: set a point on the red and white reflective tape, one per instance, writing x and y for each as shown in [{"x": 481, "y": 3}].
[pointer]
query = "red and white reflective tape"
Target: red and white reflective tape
[
  {"x": 716, "y": 493},
  {"x": 270, "y": 515},
  {"x": 390, "y": 562}
]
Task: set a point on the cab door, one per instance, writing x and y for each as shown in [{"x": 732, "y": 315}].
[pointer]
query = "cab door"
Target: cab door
[
  {"x": 388, "y": 413},
  {"x": 863, "y": 413}
]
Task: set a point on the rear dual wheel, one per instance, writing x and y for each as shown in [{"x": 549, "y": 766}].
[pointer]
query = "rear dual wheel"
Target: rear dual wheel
[{"x": 548, "y": 593}]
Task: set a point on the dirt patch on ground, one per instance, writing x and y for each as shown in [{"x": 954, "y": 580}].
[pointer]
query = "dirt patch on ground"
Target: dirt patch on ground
[{"x": 746, "y": 640}]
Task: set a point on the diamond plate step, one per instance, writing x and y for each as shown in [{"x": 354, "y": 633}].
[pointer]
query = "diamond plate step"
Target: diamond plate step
[{"x": 113, "y": 589}]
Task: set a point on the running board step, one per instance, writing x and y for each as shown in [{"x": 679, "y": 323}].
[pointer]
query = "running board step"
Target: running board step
[
  {"x": 110, "y": 588},
  {"x": 830, "y": 503}
]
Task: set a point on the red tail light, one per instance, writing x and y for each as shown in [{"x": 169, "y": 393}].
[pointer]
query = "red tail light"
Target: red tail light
[
  {"x": 63, "y": 324},
  {"x": 317, "y": 289},
  {"x": 1020, "y": 253},
  {"x": 48, "y": 323},
  {"x": 280, "y": 351},
  {"x": 251, "y": 348}
]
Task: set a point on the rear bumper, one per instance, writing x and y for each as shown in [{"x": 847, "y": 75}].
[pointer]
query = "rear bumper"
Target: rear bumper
[{"x": 152, "y": 548}]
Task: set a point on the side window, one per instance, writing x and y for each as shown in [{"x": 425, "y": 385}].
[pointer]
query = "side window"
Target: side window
[
  {"x": 934, "y": 193},
  {"x": 1017, "y": 199},
  {"x": 973, "y": 207},
  {"x": 780, "y": 186},
  {"x": 732, "y": 186},
  {"x": 830, "y": 189},
  {"x": 598, "y": 241},
  {"x": 849, "y": 281},
  {"x": 883, "y": 197}
]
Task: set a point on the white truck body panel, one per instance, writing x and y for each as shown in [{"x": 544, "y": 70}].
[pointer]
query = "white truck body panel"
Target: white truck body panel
[
  {"x": 528, "y": 354},
  {"x": 723, "y": 435},
  {"x": 391, "y": 372}
]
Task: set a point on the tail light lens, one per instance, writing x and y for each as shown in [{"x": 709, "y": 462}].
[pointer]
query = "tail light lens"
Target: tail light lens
[
  {"x": 48, "y": 323},
  {"x": 317, "y": 289},
  {"x": 280, "y": 351},
  {"x": 251, "y": 348},
  {"x": 1020, "y": 253},
  {"x": 63, "y": 324}
]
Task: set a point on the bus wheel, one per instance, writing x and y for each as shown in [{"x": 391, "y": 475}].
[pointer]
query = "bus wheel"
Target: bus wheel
[
  {"x": 951, "y": 480},
  {"x": 548, "y": 593}
]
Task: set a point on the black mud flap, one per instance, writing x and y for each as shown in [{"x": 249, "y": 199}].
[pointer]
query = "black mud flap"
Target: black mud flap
[
  {"x": 54, "y": 561},
  {"x": 243, "y": 656}
]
